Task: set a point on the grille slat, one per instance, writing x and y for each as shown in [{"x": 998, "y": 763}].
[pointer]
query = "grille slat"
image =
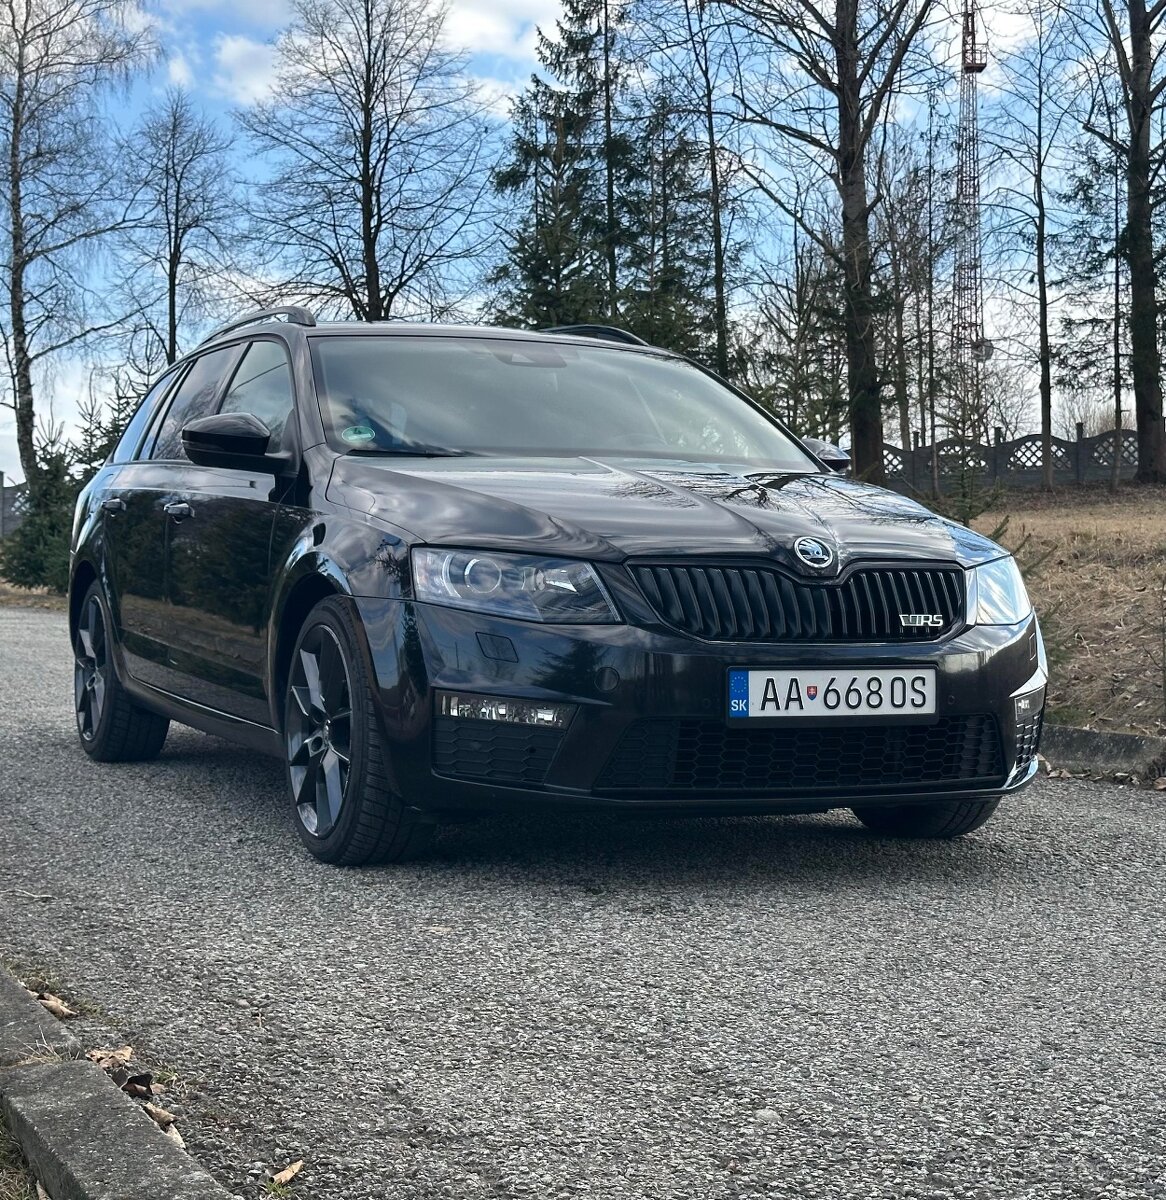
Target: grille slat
[
  {"x": 692, "y": 755},
  {"x": 758, "y": 604}
]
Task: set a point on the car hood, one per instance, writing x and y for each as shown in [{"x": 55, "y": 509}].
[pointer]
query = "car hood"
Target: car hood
[{"x": 613, "y": 508}]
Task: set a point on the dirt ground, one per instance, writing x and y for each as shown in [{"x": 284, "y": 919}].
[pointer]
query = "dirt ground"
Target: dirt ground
[{"x": 1096, "y": 568}]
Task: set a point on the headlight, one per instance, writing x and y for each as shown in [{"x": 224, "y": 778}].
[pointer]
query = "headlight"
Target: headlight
[
  {"x": 556, "y": 590},
  {"x": 996, "y": 594}
]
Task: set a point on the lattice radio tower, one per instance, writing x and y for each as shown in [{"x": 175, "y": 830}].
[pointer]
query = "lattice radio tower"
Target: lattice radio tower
[{"x": 970, "y": 348}]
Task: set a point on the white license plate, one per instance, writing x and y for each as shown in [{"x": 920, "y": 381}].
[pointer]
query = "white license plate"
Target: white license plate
[{"x": 832, "y": 693}]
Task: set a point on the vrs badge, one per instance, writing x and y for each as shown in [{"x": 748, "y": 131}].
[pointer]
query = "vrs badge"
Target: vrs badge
[{"x": 921, "y": 620}]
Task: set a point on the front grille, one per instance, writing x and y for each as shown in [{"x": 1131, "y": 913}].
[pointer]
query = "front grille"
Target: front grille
[
  {"x": 1028, "y": 740},
  {"x": 758, "y": 604},
  {"x": 707, "y": 756},
  {"x": 493, "y": 750}
]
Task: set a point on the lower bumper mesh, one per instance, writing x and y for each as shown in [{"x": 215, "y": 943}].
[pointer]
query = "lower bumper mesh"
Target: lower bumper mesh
[
  {"x": 1028, "y": 741},
  {"x": 708, "y": 756},
  {"x": 493, "y": 750}
]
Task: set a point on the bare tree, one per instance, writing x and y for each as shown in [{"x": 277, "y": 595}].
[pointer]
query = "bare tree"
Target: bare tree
[
  {"x": 56, "y": 179},
  {"x": 174, "y": 254},
  {"x": 377, "y": 140},
  {"x": 1133, "y": 34},
  {"x": 1027, "y": 133},
  {"x": 823, "y": 81}
]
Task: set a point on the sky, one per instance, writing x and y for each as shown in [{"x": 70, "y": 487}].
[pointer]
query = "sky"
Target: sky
[{"x": 221, "y": 51}]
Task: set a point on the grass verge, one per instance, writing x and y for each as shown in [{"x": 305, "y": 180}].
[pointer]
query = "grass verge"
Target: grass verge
[
  {"x": 16, "y": 1181},
  {"x": 12, "y": 596},
  {"x": 1099, "y": 592}
]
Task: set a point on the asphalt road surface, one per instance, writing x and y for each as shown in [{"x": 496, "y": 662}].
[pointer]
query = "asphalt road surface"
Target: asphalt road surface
[{"x": 598, "y": 1007}]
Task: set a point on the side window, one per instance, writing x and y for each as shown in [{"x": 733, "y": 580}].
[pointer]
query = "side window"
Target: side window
[
  {"x": 128, "y": 442},
  {"x": 263, "y": 387},
  {"x": 195, "y": 398}
]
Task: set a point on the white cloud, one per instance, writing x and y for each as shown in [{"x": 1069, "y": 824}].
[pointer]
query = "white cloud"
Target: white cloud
[
  {"x": 506, "y": 28},
  {"x": 178, "y": 71},
  {"x": 497, "y": 94},
  {"x": 246, "y": 68}
]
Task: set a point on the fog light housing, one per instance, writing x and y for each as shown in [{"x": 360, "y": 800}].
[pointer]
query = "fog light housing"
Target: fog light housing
[
  {"x": 1029, "y": 704},
  {"x": 472, "y": 706}
]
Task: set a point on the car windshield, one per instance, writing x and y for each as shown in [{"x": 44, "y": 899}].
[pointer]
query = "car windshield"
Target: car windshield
[{"x": 464, "y": 395}]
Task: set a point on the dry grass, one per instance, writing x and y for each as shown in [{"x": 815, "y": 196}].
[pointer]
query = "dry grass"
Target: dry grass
[
  {"x": 12, "y": 596},
  {"x": 16, "y": 1182},
  {"x": 1099, "y": 592}
]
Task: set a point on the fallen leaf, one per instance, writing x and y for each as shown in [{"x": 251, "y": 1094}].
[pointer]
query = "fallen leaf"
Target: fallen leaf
[
  {"x": 41, "y": 1194},
  {"x": 107, "y": 1060},
  {"x": 288, "y": 1173},
  {"x": 1160, "y": 784},
  {"x": 56, "y": 1006},
  {"x": 171, "y": 1131},
  {"x": 160, "y": 1116},
  {"x": 157, "y": 1089},
  {"x": 139, "y": 1086}
]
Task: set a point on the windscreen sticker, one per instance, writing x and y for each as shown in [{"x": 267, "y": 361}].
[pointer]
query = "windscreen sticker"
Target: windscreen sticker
[{"x": 359, "y": 434}]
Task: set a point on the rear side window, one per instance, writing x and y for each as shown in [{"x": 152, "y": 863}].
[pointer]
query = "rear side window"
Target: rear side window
[
  {"x": 195, "y": 398},
  {"x": 128, "y": 443},
  {"x": 263, "y": 387}
]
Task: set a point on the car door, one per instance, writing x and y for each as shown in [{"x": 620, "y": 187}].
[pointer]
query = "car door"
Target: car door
[
  {"x": 219, "y": 548},
  {"x": 138, "y": 529}
]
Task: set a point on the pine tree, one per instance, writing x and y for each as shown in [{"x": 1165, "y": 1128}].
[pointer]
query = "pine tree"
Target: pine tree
[
  {"x": 667, "y": 294},
  {"x": 552, "y": 271}
]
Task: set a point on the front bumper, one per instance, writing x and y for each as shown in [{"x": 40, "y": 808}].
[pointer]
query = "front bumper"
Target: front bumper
[{"x": 649, "y": 728}]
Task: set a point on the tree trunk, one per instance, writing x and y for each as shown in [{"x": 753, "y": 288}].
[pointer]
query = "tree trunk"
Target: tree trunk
[
  {"x": 23, "y": 397},
  {"x": 720, "y": 306},
  {"x": 373, "y": 303},
  {"x": 609, "y": 172},
  {"x": 866, "y": 414},
  {"x": 1045, "y": 352},
  {"x": 1146, "y": 356}
]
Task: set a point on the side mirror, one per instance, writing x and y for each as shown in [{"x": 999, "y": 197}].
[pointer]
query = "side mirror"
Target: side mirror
[
  {"x": 235, "y": 440},
  {"x": 833, "y": 456}
]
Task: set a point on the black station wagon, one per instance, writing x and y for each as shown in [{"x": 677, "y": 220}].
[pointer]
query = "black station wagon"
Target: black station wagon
[{"x": 441, "y": 570}]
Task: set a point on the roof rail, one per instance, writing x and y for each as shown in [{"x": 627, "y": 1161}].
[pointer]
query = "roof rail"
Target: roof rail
[
  {"x": 294, "y": 314},
  {"x": 606, "y": 333}
]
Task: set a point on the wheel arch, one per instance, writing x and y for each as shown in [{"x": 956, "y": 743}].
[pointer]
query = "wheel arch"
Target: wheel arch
[
  {"x": 84, "y": 575},
  {"x": 301, "y": 598}
]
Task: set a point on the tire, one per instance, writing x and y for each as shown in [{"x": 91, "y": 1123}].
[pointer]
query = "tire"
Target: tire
[
  {"x": 334, "y": 750},
  {"x": 945, "y": 819},
  {"x": 112, "y": 727}
]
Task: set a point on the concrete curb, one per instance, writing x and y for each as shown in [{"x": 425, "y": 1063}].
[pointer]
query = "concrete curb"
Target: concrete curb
[
  {"x": 26, "y": 1030},
  {"x": 1105, "y": 753},
  {"x": 83, "y": 1137}
]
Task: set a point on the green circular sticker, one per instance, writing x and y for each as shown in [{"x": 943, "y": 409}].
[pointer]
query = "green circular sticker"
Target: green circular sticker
[{"x": 358, "y": 434}]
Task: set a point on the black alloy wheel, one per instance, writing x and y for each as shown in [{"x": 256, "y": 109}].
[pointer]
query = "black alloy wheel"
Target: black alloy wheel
[
  {"x": 111, "y": 725},
  {"x": 337, "y": 761},
  {"x": 319, "y": 730},
  {"x": 91, "y": 668}
]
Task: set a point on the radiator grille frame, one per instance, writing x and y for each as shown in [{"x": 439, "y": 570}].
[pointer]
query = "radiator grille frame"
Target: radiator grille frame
[{"x": 756, "y": 602}]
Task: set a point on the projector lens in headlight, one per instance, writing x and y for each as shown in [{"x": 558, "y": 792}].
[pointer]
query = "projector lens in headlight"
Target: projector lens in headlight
[{"x": 527, "y": 586}]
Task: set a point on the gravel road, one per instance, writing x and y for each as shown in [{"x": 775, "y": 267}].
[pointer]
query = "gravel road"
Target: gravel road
[{"x": 599, "y": 1007}]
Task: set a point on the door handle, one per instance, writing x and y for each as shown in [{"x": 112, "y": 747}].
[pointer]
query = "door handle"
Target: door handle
[
  {"x": 114, "y": 504},
  {"x": 178, "y": 509}
]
